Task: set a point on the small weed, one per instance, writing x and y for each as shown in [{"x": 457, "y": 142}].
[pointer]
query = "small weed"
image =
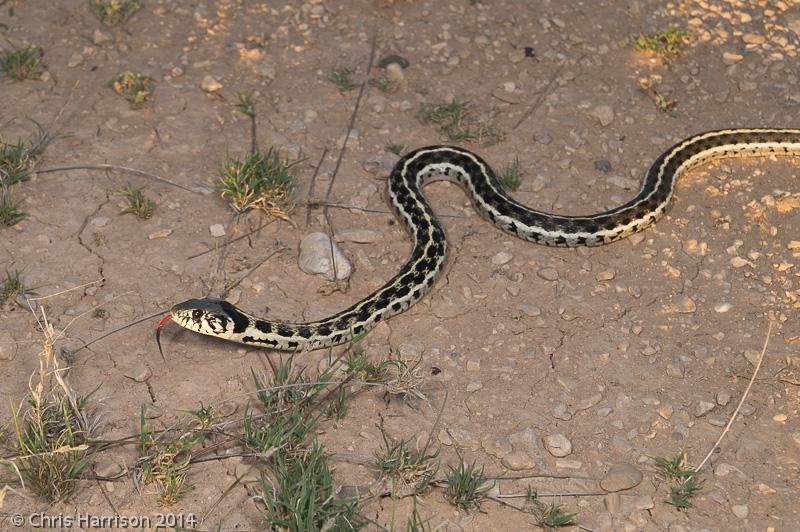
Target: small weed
[
  {"x": 135, "y": 88},
  {"x": 410, "y": 471},
  {"x": 466, "y": 484},
  {"x": 663, "y": 103},
  {"x": 165, "y": 463},
  {"x": 245, "y": 104},
  {"x": 22, "y": 64},
  {"x": 260, "y": 180},
  {"x": 397, "y": 149},
  {"x": 12, "y": 286},
  {"x": 138, "y": 203},
  {"x": 10, "y": 212},
  {"x": 51, "y": 451},
  {"x": 415, "y": 522},
  {"x": 337, "y": 408},
  {"x": 364, "y": 369},
  {"x": 342, "y": 78},
  {"x": 19, "y": 160},
  {"x": 300, "y": 495},
  {"x": 676, "y": 471},
  {"x": 383, "y": 84},
  {"x": 114, "y": 12},
  {"x": 548, "y": 515},
  {"x": 402, "y": 378},
  {"x": 511, "y": 178},
  {"x": 666, "y": 43},
  {"x": 455, "y": 121}
]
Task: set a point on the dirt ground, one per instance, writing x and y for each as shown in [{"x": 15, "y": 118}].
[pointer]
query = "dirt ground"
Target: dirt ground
[{"x": 636, "y": 349}]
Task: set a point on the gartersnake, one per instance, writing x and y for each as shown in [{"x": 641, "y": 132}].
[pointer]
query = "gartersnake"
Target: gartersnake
[{"x": 416, "y": 277}]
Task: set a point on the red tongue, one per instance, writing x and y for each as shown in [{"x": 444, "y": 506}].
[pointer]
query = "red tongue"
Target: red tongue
[{"x": 161, "y": 323}]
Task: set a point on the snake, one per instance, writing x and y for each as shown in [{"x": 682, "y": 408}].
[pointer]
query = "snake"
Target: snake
[{"x": 413, "y": 171}]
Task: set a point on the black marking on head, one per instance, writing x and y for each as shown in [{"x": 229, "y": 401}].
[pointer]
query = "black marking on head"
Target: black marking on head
[{"x": 240, "y": 321}]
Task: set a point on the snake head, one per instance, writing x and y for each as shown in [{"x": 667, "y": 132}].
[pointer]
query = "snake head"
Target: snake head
[{"x": 206, "y": 316}]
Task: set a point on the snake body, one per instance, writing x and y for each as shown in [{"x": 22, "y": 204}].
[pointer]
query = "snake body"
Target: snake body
[{"x": 475, "y": 176}]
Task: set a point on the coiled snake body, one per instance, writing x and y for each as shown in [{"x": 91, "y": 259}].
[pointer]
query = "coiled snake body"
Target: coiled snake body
[{"x": 417, "y": 276}]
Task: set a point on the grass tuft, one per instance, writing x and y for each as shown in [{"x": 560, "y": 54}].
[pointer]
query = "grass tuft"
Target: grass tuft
[
  {"x": 114, "y": 12},
  {"x": 511, "y": 178},
  {"x": 245, "y": 103},
  {"x": 410, "y": 471},
  {"x": 466, "y": 485},
  {"x": 548, "y": 515},
  {"x": 299, "y": 495},
  {"x": 663, "y": 103},
  {"x": 342, "y": 77},
  {"x": 19, "y": 160},
  {"x": 10, "y": 213},
  {"x": 455, "y": 121},
  {"x": 24, "y": 63},
  {"x": 683, "y": 483},
  {"x": 135, "y": 88},
  {"x": 12, "y": 286},
  {"x": 138, "y": 203},
  {"x": 260, "y": 180},
  {"x": 667, "y": 43}
]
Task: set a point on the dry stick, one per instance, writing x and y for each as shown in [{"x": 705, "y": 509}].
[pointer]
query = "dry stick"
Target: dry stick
[
  {"x": 350, "y": 126},
  {"x": 120, "y": 169},
  {"x": 231, "y": 241},
  {"x": 131, "y": 324},
  {"x": 739, "y": 406},
  {"x": 223, "y": 251},
  {"x": 541, "y": 97},
  {"x": 309, "y": 203}
]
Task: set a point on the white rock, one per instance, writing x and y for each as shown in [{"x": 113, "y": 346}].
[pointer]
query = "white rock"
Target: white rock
[
  {"x": 503, "y": 257},
  {"x": 316, "y": 259},
  {"x": 217, "y": 230},
  {"x": 740, "y": 510},
  {"x": 209, "y": 84},
  {"x": 603, "y": 113},
  {"x": 558, "y": 445}
]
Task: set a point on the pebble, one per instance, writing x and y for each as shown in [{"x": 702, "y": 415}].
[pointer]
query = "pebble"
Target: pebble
[
  {"x": 217, "y": 230},
  {"x": 518, "y": 461},
  {"x": 562, "y": 412},
  {"x": 731, "y": 58},
  {"x": 503, "y": 257},
  {"x": 394, "y": 73},
  {"x": 474, "y": 386},
  {"x": 606, "y": 275},
  {"x": 139, "y": 373},
  {"x": 496, "y": 446},
  {"x": 722, "y": 398},
  {"x": 722, "y": 307},
  {"x": 474, "y": 364},
  {"x": 621, "y": 476},
  {"x": 703, "y": 407},
  {"x": 740, "y": 510},
  {"x": 589, "y": 402},
  {"x": 687, "y": 305},
  {"x": 739, "y": 262},
  {"x": 558, "y": 445},
  {"x": 548, "y": 274},
  {"x": 529, "y": 309},
  {"x": 161, "y": 233},
  {"x": 316, "y": 259},
  {"x": 666, "y": 411},
  {"x": 603, "y": 113},
  {"x": 602, "y": 165},
  {"x": 76, "y": 59},
  {"x": 99, "y": 38},
  {"x": 359, "y": 236},
  {"x": 752, "y": 356},
  {"x": 209, "y": 84},
  {"x": 100, "y": 221},
  {"x": 675, "y": 368},
  {"x": 107, "y": 468}
]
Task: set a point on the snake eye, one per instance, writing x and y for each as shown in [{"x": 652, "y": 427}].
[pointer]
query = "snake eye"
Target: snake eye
[{"x": 197, "y": 314}]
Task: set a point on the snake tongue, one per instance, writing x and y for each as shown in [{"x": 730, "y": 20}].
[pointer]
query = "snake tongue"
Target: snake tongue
[{"x": 160, "y": 325}]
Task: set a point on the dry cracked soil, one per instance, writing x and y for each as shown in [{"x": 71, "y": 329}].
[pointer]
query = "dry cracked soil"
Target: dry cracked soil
[{"x": 548, "y": 367}]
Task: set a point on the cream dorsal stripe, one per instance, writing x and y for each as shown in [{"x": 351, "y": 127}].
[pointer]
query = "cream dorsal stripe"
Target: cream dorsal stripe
[{"x": 475, "y": 176}]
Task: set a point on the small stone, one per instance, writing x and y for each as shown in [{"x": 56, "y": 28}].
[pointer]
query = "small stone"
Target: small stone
[
  {"x": 723, "y": 398},
  {"x": 518, "y": 461},
  {"x": 503, "y": 257},
  {"x": 108, "y": 469},
  {"x": 548, "y": 274},
  {"x": 589, "y": 402},
  {"x": 739, "y": 262},
  {"x": 76, "y": 59},
  {"x": 722, "y": 307},
  {"x": 675, "y": 368},
  {"x": 603, "y": 113},
  {"x": 100, "y": 221},
  {"x": 731, "y": 58},
  {"x": 217, "y": 230},
  {"x": 752, "y": 356},
  {"x": 666, "y": 411},
  {"x": 209, "y": 84},
  {"x": 562, "y": 412},
  {"x": 566, "y": 463},
  {"x": 474, "y": 364},
  {"x": 496, "y": 446},
  {"x": 605, "y": 275},
  {"x": 99, "y": 38},
  {"x": 740, "y": 510},
  {"x": 621, "y": 476},
  {"x": 474, "y": 386},
  {"x": 394, "y": 73},
  {"x": 139, "y": 373},
  {"x": 686, "y": 305},
  {"x": 602, "y": 165},
  {"x": 161, "y": 233},
  {"x": 529, "y": 310},
  {"x": 558, "y": 445},
  {"x": 316, "y": 259},
  {"x": 702, "y": 408}
]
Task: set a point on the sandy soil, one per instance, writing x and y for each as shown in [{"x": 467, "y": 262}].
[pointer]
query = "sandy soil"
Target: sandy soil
[{"x": 639, "y": 348}]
